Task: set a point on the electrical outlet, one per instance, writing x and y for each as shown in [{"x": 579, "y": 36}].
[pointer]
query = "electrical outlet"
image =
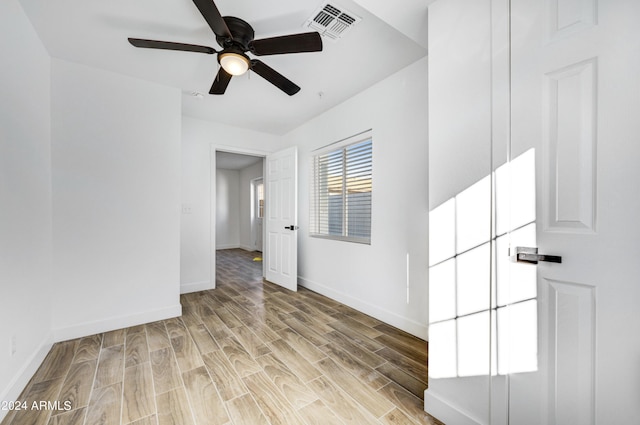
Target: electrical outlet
[
  {"x": 13, "y": 345},
  {"x": 187, "y": 209}
]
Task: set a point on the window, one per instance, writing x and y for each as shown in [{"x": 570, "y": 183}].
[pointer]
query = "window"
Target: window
[
  {"x": 341, "y": 192},
  {"x": 259, "y": 199}
]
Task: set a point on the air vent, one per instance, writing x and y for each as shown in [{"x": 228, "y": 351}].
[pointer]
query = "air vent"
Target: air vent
[{"x": 332, "y": 22}]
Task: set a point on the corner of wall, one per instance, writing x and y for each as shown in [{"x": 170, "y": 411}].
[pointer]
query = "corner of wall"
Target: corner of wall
[
  {"x": 22, "y": 376},
  {"x": 187, "y": 288},
  {"x": 118, "y": 322}
]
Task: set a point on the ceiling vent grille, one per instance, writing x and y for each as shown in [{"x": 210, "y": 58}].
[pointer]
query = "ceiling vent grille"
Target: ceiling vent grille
[{"x": 332, "y": 22}]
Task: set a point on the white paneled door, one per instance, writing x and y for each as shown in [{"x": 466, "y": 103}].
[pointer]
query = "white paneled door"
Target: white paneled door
[
  {"x": 281, "y": 202},
  {"x": 575, "y": 105}
]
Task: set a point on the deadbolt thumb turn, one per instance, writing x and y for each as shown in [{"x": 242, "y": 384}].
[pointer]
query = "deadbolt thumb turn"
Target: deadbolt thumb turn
[{"x": 525, "y": 254}]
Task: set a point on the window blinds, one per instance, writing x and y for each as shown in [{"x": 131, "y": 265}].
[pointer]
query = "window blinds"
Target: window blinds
[{"x": 341, "y": 184}]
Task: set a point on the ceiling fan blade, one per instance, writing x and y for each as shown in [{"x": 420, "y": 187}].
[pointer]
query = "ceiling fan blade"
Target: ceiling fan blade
[
  {"x": 274, "y": 77},
  {"x": 212, "y": 15},
  {"x": 169, "y": 45},
  {"x": 221, "y": 82},
  {"x": 294, "y": 43}
]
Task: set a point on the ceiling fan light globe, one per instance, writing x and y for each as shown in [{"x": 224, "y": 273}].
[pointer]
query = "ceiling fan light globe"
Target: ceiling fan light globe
[{"x": 234, "y": 63}]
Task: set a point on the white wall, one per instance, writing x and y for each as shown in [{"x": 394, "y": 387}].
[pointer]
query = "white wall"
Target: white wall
[
  {"x": 460, "y": 133},
  {"x": 373, "y": 278},
  {"x": 460, "y": 136},
  {"x": 247, "y": 236},
  {"x": 227, "y": 209},
  {"x": 116, "y": 200},
  {"x": 199, "y": 139},
  {"x": 25, "y": 200}
]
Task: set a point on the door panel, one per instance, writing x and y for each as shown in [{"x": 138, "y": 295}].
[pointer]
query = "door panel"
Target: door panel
[
  {"x": 570, "y": 107},
  {"x": 281, "y": 218},
  {"x": 575, "y": 102},
  {"x": 572, "y": 347}
]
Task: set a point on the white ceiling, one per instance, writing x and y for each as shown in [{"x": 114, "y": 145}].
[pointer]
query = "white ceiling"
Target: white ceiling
[{"x": 95, "y": 33}]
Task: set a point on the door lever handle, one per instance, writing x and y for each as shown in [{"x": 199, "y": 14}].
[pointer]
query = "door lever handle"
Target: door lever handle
[
  {"x": 292, "y": 227},
  {"x": 525, "y": 254}
]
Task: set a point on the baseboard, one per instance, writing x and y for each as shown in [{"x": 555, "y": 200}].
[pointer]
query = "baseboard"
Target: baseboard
[
  {"x": 14, "y": 388},
  {"x": 243, "y": 247},
  {"x": 420, "y": 330},
  {"x": 445, "y": 412},
  {"x": 112, "y": 323},
  {"x": 231, "y": 246},
  {"x": 187, "y": 288}
]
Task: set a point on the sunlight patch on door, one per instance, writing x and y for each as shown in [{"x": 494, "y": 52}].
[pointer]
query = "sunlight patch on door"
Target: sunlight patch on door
[
  {"x": 473, "y": 280},
  {"x": 442, "y": 290},
  {"x": 473, "y": 215},
  {"x": 482, "y": 306},
  {"x": 473, "y": 344},
  {"x": 518, "y": 337}
]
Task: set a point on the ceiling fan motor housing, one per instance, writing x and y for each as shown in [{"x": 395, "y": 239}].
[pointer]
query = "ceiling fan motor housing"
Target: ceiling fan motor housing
[{"x": 241, "y": 32}]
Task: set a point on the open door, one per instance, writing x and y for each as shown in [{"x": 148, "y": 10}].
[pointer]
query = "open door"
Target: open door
[{"x": 281, "y": 221}]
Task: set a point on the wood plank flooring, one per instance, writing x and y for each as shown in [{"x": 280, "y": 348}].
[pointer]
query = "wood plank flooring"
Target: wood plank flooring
[{"x": 247, "y": 352}]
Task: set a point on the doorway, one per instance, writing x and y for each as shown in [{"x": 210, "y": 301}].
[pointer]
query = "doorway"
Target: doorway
[
  {"x": 280, "y": 171},
  {"x": 235, "y": 181}
]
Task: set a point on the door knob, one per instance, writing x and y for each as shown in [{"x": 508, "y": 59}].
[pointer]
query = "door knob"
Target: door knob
[{"x": 525, "y": 254}]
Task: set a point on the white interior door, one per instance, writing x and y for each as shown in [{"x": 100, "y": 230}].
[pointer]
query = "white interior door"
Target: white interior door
[
  {"x": 575, "y": 111},
  {"x": 281, "y": 199}
]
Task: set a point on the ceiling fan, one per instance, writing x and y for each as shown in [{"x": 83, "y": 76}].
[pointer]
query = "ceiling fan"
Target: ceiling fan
[{"x": 236, "y": 38}]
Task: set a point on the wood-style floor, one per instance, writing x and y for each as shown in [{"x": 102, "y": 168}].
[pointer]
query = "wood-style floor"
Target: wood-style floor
[{"x": 247, "y": 352}]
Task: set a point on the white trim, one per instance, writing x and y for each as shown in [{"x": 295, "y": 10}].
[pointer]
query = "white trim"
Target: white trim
[
  {"x": 212, "y": 216},
  {"x": 22, "y": 377},
  {"x": 187, "y": 288},
  {"x": 359, "y": 137},
  {"x": 444, "y": 411},
  {"x": 241, "y": 151},
  {"x": 420, "y": 330},
  {"x": 119, "y": 322}
]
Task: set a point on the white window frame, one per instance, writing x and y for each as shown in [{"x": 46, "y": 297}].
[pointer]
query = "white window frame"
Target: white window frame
[{"x": 316, "y": 216}]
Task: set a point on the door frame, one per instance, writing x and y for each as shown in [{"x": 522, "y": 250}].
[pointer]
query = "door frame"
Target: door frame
[
  {"x": 255, "y": 207},
  {"x": 212, "y": 199}
]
